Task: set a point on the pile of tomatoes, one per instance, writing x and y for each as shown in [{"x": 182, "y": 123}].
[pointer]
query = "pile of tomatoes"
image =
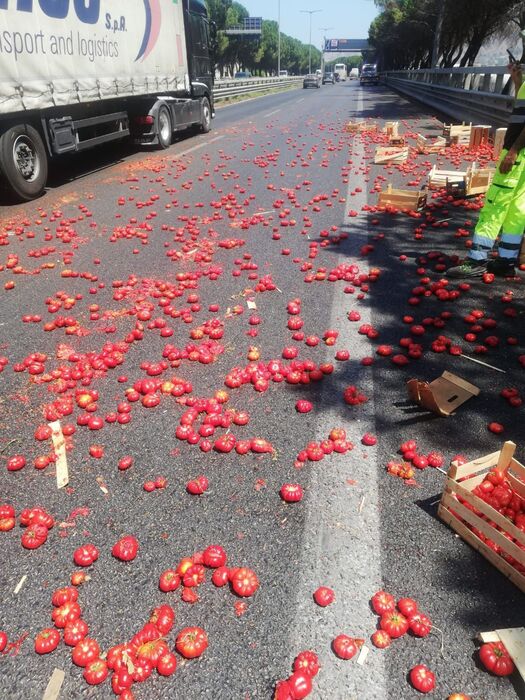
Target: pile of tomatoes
[
  {"x": 299, "y": 683},
  {"x": 396, "y": 618},
  {"x": 148, "y": 650},
  {"x": 497, "y": 492},
  {"x": 190, "y": 573},
  {"x": 37, "y": 522}
]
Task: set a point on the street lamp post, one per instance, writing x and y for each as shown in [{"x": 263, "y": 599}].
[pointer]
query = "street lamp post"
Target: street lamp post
[
  {"x": 310, "y": 12},
  {"x": 278, "y": 38},
  {"x": 324, "y": 29}
]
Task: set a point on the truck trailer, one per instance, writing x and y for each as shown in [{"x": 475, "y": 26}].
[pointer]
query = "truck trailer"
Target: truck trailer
[{"x": 80, "y": 73}]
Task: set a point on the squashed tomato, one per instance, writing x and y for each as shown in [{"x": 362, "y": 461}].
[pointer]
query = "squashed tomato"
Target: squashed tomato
[
  {"x": 64, "y": 595},
  {"x": 420, "y": 625},
  {"x": 214, "y": 556},
  {"x": 69, "y": 612},
  {"x": 300, "y": 685},
  {"x": 191, "y": 642}
]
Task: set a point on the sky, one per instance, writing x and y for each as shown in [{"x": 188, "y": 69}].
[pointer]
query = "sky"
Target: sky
[{"x": 341, "y": 19}]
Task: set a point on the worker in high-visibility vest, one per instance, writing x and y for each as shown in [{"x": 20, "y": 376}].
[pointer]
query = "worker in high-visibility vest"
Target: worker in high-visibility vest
[{"x": 504, "y": 208}]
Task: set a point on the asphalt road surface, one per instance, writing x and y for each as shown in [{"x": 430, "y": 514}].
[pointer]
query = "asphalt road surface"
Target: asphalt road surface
[{"x": 247, "y": 218}]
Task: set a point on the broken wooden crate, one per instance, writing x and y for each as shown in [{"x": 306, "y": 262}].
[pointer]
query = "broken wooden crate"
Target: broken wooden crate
[
  {"x": 479, "y": 134},
  {"x": 513, "y": 639},
  {"x": 426, "y": 146},
  {"x": 390, "y": 154},
  {"x": 443, "y": 395},
  {"x": 402, "y": 199},
  {"x": 361, "y": 125},
  {"x": 479, "y": 517},
  {"x": 461, "y": 183}
]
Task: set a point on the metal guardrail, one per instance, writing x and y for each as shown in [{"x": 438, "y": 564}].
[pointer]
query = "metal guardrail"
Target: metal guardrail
[
  {"x": 465, "y": 94},
  {"x": 232, "y": 88}
]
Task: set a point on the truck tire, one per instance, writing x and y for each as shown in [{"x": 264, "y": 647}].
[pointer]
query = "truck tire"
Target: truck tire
[
  {"x": 23, "y": 162},
  {"x": 205, "y": 115},
  {"x": 164, "y": 127}
]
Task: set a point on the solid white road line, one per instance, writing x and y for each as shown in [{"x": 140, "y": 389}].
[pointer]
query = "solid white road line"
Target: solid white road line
[
  {"x": 341, "y": 545},
  {"x": 270, "y": 114},
  {"x": 185, "y": 152}
]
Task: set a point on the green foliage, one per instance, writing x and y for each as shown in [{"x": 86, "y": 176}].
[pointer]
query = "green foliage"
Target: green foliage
[
  {"x": 257, "y": 55},
  {"x": 403, "y": 32}
]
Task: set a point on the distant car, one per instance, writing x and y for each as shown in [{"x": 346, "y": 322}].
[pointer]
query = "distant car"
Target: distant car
[
  {"x": 312, "y": 80},
  {"x": 243, "y": 74},
  {"x": 283, "y": 73},
  {"x": 369, "y": 74},
  {"x": 354, "y": 74},
  {"x": 328, "y": 77}
]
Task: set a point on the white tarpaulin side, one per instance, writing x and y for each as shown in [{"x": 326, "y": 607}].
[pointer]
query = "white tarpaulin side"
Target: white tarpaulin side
[{"x": 59, "y": 52}]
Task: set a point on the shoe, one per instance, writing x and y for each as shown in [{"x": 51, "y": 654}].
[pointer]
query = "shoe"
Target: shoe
[
  {"x": 501, "y": 267},
  {"x": 469, "y": 268}
]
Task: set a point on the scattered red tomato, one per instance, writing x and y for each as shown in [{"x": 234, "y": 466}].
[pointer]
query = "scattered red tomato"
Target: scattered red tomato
[
  {"x": 381, "y": 639},
  {"x": 382, "y": 603},
  {"x": 126, "y": 548},
  {"x": 407, "y": 607},
  {"x": 214, "y": 556},
  {"x": 244, "y": 582},
  {"x": 496, "y": 659},
  {"x": 47, "y": 641},
  {"x": 34, "y": 536},
  {"x": 394, "y": 624},
  {"x": 291, "y": 493},
  {"x": 420, "y": 624},
  {"x": 86, "y": 555},
  {"x": 422, "y": 678},
  {"x": 191, "y": 642},
  {"x": 346, "y": 647},
  {"x": 324, "y": 596},
  {"x": 307, "y": 662},
  {"x": 96, "y": 672},
  {"x": 300, "y": 684},
  {"x": 85, "y": 651},
  {"x": 167, "y": 664}
]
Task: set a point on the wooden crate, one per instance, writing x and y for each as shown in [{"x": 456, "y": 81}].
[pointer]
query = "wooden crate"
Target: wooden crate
[
  {"x": 391, "y": 129},
  {"x": 402, "y": 199},
  {"x": 457, "y": 133},
  {"x": 461, "y": 481},
  {"x": 479, "y": 134},
  {"x": 479, "y": 180},
  {"x": 499, "y": 138},
  {"x": 390, "y": 154},
  {"x": 438, "y": 179},
  {"x": 425, "y": 146}
]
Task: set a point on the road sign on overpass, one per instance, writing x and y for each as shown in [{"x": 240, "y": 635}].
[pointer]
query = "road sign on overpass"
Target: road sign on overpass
[{"x": 346, "y": 46}]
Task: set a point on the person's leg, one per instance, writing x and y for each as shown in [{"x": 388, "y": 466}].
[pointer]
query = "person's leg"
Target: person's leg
[
  {"x": 498, "y": 201},
  {"x": 511, "y": 233}
]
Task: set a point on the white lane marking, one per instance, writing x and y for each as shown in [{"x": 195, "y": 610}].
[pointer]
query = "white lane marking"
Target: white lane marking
[
  {"x": 200, "y": 145},
  {"x": 301, "y": 100},
  {"x": 270, "y": 114},
  {"x": 341, "y": 545}
]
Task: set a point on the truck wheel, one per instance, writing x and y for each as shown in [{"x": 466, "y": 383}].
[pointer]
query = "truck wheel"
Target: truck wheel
[
  {"x": 23, "y": 162},
  {"x": 164, "y": 128},
  {"x": 205, "y": 115}
]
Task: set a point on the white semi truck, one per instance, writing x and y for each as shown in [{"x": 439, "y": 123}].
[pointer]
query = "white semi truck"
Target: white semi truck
[{"x": 80, "y": 73}]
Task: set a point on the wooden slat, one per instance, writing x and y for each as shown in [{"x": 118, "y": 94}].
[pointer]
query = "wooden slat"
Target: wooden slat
[
  {"x": 474, "y": 466},
  {"x": 483, "y": 526},
  {"x": 488, "y": 511},
  {"x": 514, "y": 642},
  {"x": 518, "y": 468},
  {"x": 506, "y": 454},
  {"x": 471, "y": 539},
  {"x": 474, "y": 481},
  {"x": 516, "y": 484},
  {"x": 55, "y": 684}
]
